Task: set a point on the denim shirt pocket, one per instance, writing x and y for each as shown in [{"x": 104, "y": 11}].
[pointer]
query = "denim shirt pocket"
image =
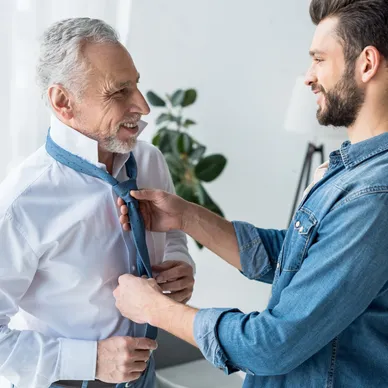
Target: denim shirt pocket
[{"x": 298, "y": 240}]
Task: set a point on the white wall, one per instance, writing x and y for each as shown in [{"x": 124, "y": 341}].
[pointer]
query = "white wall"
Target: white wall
[{"x": 243, "y": 58}]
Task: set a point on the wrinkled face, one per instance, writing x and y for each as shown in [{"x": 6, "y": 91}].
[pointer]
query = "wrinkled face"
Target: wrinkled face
[
  {"x": 111, "y": 104},
  {"x": 339, "y": 97}
]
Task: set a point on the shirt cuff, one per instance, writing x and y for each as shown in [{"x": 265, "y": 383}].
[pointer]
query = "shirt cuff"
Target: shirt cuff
[
  {"x": 77, "y": 359},
  {"x": 205, "y": 335},
  {"x": 254, "y": 260}
]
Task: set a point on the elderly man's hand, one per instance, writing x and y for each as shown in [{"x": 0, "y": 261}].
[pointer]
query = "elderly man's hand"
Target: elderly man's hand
[
  {"x": 122, "y": 359},
  {"x": 137, "y": 298},
  {"x": 176, "y": 279}
]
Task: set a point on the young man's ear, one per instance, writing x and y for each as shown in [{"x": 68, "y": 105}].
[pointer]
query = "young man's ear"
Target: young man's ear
[{"x": 370, "y": 61}]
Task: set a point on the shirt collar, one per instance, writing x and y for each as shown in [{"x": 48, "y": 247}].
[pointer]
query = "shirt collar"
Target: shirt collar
[
  {"x": 86, "y": 148},
  {"x": 354, "y": 154}
]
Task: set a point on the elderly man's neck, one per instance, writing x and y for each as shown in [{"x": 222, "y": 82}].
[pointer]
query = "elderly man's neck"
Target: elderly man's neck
[{"x": 107, "y": 158}]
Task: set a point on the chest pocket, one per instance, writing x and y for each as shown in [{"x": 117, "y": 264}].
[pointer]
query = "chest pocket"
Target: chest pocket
[{"x": 298, "y": 240}]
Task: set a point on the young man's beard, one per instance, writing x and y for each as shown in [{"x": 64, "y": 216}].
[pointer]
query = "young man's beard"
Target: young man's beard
[{"x": 343, "y": 102}]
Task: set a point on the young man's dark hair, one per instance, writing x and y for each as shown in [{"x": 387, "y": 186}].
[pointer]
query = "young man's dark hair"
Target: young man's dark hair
[{"x": 362, "y": 23}]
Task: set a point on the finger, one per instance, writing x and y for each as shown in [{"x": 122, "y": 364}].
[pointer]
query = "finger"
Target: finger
[
  {"x": 176, "y": 286},
  {"x": 127, "y": 227},
  {"x": 133, "y": 376},
  {"x": 157, "y": 269},
  {"x": 175, "y": 273},
  {"x": 131, "y": 366},
  {"x": 166, "y": 265},
  {"x": 120, "y": 202},
  {"x": 141, "y": 355},
  {"x": 142, "y": 343},
  {"x": 180, "y": 296},
  {"x": 124, "y": 209},
  {"x": 124, "y": 220}
]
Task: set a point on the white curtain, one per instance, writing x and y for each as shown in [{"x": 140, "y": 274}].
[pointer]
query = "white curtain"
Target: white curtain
[{"x": 24, "y": 118}]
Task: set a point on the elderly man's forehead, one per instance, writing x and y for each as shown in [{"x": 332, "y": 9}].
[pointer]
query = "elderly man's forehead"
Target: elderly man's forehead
[{"x": 119, "y": 84}]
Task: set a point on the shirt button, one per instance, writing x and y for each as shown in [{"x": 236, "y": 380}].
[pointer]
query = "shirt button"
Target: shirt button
[
  {"x": 297, "y": 224},
  {"x": 301, "y": 229},
  {"x": 278, "y": 266}
]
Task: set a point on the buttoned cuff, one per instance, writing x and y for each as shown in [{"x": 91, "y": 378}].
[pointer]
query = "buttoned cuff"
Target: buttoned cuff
[
  {"x": 205, "y": 335},
  {"x": 254, "y": 260},
  {"x": 77, "y": 359}
]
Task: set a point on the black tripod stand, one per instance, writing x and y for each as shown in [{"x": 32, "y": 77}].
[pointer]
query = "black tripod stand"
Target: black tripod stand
[{"x": 306, "y": 172}]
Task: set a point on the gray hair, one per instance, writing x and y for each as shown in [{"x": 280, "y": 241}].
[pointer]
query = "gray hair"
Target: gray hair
[{"x": 60, "y": 61}]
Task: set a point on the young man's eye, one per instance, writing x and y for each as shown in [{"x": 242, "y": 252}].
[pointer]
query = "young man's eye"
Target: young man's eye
[{"x": 318, "y": 60}]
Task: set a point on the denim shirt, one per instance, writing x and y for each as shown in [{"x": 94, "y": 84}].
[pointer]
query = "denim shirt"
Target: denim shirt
[{"x": 326, "y": 324}]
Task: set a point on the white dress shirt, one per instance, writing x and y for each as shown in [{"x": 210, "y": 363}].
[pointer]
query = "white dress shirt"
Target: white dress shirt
[{"x": 62, "y": 250}]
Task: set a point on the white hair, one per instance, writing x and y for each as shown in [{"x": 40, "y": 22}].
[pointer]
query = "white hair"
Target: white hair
[{"x": 60, "y": 61}]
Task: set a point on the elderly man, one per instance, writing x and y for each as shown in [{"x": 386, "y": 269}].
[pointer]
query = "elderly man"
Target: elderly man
[
  {"x": 62, "y": 248},
  {"x": 326, "y": 324}
]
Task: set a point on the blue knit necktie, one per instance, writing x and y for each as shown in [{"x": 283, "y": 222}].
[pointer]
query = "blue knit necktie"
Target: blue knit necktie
[{"x": 122, "y": 190}]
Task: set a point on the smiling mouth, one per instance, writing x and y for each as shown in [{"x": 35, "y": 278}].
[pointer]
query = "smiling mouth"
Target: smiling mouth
[
  {"x": 130, "y": 125},
  {"x": 132, "y": 128}
]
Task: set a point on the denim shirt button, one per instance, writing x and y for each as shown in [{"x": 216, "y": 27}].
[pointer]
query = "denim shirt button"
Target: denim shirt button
[{"x": 297, "y": 224}]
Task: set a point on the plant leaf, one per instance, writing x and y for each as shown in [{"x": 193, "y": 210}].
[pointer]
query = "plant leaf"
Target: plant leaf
[
  {"x": 197, "y": 153},
  {"x": 186, "y": 191},
  {"x": 163, "y": 118},
  {"x": 188, "y": 122},
  {"x": 156, "y": 139},
  {"x": 166, "y": 138},
  {"x": 190, "y": 97},
  {"x": 206, "y": 201},
  {"x": 177, "y": 97},
  {"x": 175, "y": 166},
  {"x": 210, "y": 167},
  {"x": 184, "y": 143},
  {"x": 154, "y": 99},
  {"x": 199, "y": 245}
]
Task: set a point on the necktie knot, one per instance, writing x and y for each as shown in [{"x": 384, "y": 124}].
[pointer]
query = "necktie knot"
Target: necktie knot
[{"x": 123, "y": 191}]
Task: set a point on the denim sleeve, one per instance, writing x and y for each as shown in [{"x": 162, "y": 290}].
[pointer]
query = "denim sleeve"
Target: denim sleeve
[
  {"x": 343, "y": 272},
  {"x": 259, "y": 250}
]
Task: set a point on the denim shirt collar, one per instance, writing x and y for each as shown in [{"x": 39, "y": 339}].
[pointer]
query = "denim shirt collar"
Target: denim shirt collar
[{"x": 353, "y": 154}]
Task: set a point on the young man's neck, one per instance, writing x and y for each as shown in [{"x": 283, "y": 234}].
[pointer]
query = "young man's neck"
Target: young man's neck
[{"x": 371, "y": 122}]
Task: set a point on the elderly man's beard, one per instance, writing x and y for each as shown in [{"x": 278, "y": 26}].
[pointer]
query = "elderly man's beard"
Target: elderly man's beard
[
  {"x": 115, "y": 145},
  {"x": 342, "y": 102}
]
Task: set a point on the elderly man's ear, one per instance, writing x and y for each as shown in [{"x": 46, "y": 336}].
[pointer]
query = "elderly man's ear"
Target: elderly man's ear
[{"x": 61, "y": 102}]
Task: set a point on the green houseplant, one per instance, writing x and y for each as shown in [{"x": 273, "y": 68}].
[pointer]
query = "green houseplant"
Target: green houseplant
[{"x": 190, "y": 168}]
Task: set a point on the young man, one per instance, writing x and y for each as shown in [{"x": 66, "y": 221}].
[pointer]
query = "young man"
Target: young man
[
  {"x": 326, "y": 324},
  {"x": 61, "y": 245}
]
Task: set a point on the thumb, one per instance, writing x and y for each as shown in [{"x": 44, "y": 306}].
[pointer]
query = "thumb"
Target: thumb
[
  {"x": 124, "y": 278},
  {"x": 145, "y": 194}
]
